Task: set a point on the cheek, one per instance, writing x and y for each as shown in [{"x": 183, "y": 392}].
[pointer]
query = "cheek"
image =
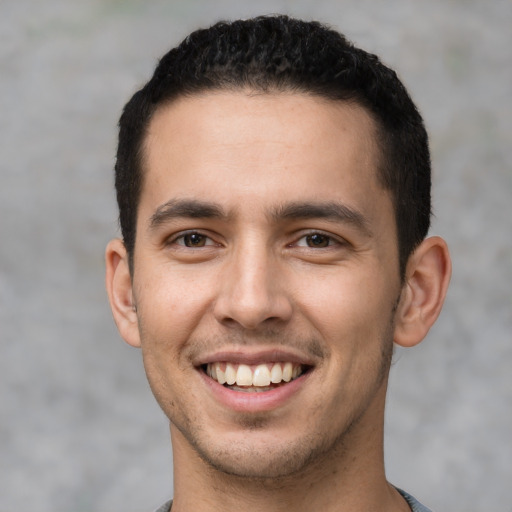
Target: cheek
[
  {"x": 165, "y": 324},
  {"x": 353, "y": 314},
  {"x": 171, "y": 304},
  {"x": 346, "y": 301}
]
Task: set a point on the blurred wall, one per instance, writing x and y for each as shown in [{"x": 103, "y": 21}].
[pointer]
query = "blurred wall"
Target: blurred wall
[{"x": 79, "y": 429}]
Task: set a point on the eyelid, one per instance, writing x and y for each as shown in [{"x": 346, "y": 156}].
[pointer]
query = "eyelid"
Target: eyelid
[
  {"x": 180, "y": 235},
  {"x": 333, "y": 239}
]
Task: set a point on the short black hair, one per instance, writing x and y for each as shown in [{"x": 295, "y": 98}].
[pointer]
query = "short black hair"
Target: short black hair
[{"x": 279, "y": 53}]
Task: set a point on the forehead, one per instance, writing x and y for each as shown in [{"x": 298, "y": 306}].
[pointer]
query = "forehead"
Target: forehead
[
  {"x": 256, "y": 148},
  {"x": 264, "y": 115}
]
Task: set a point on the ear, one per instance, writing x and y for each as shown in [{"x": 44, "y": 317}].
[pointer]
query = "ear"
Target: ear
[
  {"x": 427, "y": 277},
  {"x": 120, "y": 292}
]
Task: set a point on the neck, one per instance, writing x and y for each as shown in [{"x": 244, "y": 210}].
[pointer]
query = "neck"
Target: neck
[{"x": 350, "y": 477}]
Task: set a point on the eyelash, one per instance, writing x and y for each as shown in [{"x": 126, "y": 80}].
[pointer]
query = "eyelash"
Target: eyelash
[
  {"x": 180, "y": 238},
  {"x": 331, "y": 240}
]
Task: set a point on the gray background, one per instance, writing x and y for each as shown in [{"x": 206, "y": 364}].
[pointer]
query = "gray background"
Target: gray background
[{"x": 79, "y": 430}]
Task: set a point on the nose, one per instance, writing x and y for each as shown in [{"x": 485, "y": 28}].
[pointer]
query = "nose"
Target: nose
[{"x": 253, "y": 291}]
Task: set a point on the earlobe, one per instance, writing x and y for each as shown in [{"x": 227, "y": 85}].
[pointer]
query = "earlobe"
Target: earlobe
[
  {"x": 120, "y": 292},
  {"x": 427, "y": 277}
]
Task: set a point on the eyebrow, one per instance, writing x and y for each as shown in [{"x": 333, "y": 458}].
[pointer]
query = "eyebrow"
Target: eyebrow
[
  {"x": 333, "y": 211},
  {"x": 189, "y": 208},
  {"x": 195, "y": 209}
]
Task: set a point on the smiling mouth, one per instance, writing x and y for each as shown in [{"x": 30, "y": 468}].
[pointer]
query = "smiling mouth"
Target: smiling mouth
[{"x": 254, "y": 378}]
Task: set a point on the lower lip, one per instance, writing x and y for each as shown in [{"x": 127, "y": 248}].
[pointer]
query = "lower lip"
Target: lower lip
[{"x": 258, "y": 401}]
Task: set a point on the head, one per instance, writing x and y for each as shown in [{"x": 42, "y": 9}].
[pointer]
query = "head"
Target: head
[
  {"x": 279, "y": 181},
  {"x": 279, "y": 54}
]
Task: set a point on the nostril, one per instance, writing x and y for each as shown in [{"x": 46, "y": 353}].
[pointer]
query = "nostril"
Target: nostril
[{"x": 251, "y": 306}]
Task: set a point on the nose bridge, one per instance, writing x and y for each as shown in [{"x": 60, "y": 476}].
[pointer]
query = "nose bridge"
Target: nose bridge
[{"x": 252, "y": 291}]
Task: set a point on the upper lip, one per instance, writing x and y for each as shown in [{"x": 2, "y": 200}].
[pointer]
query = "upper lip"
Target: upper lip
[{"x": 253, "y": 357}]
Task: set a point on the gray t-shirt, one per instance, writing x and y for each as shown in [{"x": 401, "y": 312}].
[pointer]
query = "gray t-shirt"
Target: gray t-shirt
[{"x": 415, "y": 505}]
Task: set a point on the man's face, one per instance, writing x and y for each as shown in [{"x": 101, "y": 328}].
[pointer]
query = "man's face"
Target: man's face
[{"x": 266, "y": 251}]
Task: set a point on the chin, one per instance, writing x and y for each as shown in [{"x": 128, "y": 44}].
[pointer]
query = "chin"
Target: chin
[
  {"x": 256, "y": 466},
  {"x": 261, "y": 457}
]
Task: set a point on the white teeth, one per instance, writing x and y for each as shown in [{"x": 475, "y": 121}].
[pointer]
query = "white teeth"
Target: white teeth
[
  {"x": 258, "y": 378},
  {"x": 230, "y": 374},
  {"x": 276, "y": 374},
  {"x": 244, "y": 376},
  {"x": 221, "y": 374},
  {"x": 287, "y": 372},
  {"x": 261, "y": 376}
]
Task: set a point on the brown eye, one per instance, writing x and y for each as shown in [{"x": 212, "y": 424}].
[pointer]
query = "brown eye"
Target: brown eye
[
  {"x": 194, "y": 240},
  {"x": 318, "y": 240}
]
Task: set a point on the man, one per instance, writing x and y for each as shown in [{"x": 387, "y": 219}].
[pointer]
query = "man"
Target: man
[{"x": 273, "y": 183}]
